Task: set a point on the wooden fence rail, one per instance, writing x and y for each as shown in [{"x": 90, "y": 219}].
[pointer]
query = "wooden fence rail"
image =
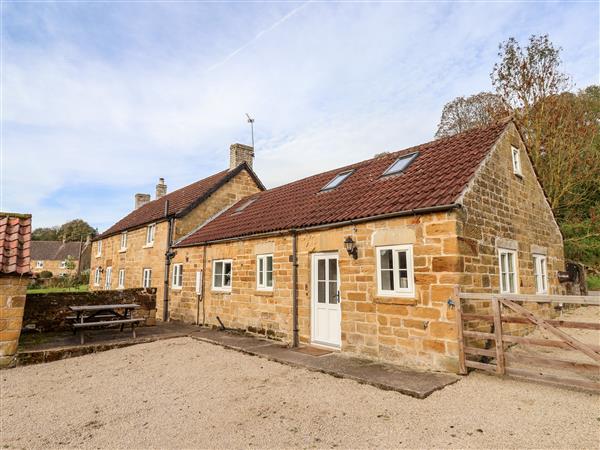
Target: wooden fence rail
[{"x": 507, "y": 363}]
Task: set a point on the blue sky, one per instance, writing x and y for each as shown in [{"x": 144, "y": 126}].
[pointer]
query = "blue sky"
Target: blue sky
[{"x": 100, "y": 99}]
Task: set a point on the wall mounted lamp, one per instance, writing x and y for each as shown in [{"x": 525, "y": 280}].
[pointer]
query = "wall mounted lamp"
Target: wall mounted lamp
[{"x": 351, "y": 247}]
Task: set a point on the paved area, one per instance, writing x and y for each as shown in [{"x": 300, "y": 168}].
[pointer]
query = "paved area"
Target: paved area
[
  {"x": 183, "y": 393},
  {"x": 37, "y": 348},
  {"x": 418, "y": 384}
]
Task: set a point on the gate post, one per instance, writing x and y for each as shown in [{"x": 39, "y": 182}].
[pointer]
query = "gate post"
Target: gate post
[
  {"x": 462, "y": 367},
  {"x": 500, "y": 369}
]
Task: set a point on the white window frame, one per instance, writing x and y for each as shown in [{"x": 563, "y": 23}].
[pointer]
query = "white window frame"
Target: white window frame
[
  {"x": 150, "y": 232},
  {"x": 121, "y": 284},
  {"x": 123, "y": 241},
  {"x": 39, "y": 264},
  {"x": 99, "y": 248},
  {"x": 214, "y": 272},
  {"x": 516, "y": 160},
  {"x": 62, "y": 265},
  {"x": 540, "y": 273},
  {"x": 108, "y": 278},
  {"x": 177, "y": 276},
  {"x": 262, "y": 285},
  {"x": 97, "y": 276},
  {"x": 409, "y": 291},
  {"x": 146, "y": 280},
  {"x": 514, "y": 255}
]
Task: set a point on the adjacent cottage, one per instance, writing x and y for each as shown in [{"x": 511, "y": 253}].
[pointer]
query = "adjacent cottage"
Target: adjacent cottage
[
  {"x": 135, "y": 252},
  {"x": 15, "y": 239},
  {"x": 365, "y": 258},
  {"x": 59, "y": 258}
]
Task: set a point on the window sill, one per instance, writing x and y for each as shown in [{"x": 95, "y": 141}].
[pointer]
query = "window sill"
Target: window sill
[
  {"x": 264, "y": 292},
  {"x": 177, "y": 288},
  {"x": 220, "y": 291},
  {"x": 98, "y": 256},
  {"x": 123, "y": 250},
  {"x": 148, "y": 245},
  {"x": 395, "y": 301}
]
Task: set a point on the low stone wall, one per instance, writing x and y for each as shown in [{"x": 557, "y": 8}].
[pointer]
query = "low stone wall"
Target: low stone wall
[
  {"x": 47, "y": 312},
  {"x": 12, "y": 300}
]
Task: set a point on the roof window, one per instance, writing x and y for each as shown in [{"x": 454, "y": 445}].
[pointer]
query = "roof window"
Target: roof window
[
  {"x": 400, "y": 164},
  {"x": 339, "y": 179}
]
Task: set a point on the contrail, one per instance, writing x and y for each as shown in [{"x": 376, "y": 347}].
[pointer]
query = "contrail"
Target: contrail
[{"x": 258, "y": 36}]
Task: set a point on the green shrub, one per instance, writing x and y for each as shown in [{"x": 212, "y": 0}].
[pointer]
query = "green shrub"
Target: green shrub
[
  {"x": 45, "y": 274},
  {"x": 593, "y": 282}
]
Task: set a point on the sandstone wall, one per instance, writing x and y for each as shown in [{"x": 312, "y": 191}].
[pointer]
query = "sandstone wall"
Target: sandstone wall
[
  {"x": 54, "y": 267},
  {"x": 12, "y": 302},
  {"x": 48, "y": 312}
]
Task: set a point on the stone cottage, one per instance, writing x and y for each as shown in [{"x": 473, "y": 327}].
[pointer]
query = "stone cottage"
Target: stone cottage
[
  {"x": 365, "y": 258},
  {"x": 15, "y": 240},
  {"x": 59, "y": 258},
  {"x": 135, "y": 251}
]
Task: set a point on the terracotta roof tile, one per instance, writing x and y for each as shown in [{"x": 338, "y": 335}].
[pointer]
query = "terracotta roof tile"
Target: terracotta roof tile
[
  {"x": 54, "y": 250},
  {"x": 436, "y": 177},
  {"x": 15, "y": 243},
  {"x": 180, "y": 201}
]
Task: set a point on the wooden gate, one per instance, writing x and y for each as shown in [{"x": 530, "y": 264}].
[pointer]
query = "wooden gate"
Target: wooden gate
[{"x": 506, "y": 309}]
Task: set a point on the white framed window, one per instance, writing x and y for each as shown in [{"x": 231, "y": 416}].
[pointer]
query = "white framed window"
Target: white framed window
[
  {"x": 99, "y": 248},
  {"x": 150, "y": 230},
  {"x": 395, "y": 277},
  {"x": 177, "y": 276},
  {"x": 540, "y": 272},
  {"x": 264, "y": 272},
  {"x": 124, "y": 241},
  {"x": 62, "y": 265},
  {"x": 121, "y": 278},
  {"x": 39, "y": 264},
  {"x": 97, "y": 276},
  {"x": 222, "y": 273},
  {"x": 199, "y": 282},
  {"x": 108, "y": 278},
  {"x": 516, "y": 160},
  {"x": 147, "y": 278},
  {"x": 508, "y": 271}
]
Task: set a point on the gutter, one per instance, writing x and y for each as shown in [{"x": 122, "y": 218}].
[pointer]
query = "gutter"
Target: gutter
[{"x": 410, "y": 212}]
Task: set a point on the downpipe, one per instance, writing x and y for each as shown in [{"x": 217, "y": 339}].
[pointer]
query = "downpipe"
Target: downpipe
[{"x": 295, "y": 340}]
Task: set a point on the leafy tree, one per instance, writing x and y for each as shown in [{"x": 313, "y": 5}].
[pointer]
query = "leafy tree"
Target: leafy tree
[
  {"x": 45, "y": 234},
  {"x": 464, "y": 113},
  {"x": 76, "y": 230}
]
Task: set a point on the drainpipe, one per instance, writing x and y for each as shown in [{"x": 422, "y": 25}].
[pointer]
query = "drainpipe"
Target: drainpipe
[
  {"x": 168, "y": 256},
  {"x": 295, "y": 288},
  {"x": 201, "y": 295}
]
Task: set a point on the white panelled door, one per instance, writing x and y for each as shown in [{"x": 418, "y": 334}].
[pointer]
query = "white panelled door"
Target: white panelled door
[{"x": 326, "y": 312}]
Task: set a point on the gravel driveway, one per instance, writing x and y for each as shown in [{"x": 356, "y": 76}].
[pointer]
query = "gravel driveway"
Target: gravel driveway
[{"x": 181, "y": 393}]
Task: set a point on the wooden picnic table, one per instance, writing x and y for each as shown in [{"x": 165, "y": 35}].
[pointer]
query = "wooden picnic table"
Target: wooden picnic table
[{"x": 89, "y": 316}]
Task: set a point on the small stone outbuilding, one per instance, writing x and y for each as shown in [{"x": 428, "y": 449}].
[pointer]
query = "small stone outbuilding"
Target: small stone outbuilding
[
  {"x": 365, "y": 258},
  {"x": 15, "y": 241}
]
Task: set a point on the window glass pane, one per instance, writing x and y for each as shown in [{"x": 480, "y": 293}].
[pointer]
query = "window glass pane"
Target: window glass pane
[
  {"x": 227, "y": 274},
  {"x": 402, "y": 264},
  {"x": 321, "y": 269},
  {"x": 333, "y": 270},
  {"x": 400, "y": 164},
  {"x": 333, "y": 292},
  {"x": 269, "y": 263},
  {"x": 386, "y": 259},
  {"x": 269, "y": 279},
  {"x": 511, "y": 262},
  {"x": 218, "y": 268},
  {"x": 387, "y": 280},
  {"x": 321, "y": 291},
  {"x": 260, "y": 271},
  {"x": 403, "y": 279},
  {"x": 337, "y": 180}
]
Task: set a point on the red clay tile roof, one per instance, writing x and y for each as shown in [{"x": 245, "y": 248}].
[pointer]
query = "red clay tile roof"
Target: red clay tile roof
[
  {"x": 54, "y": 250},
  {"x": 437, "y": 176},
  {"x": 180, "y": 201},
  {"x": 15, "y": 240}
]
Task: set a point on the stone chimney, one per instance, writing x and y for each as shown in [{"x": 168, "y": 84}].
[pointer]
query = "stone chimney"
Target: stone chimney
[
  {"x": 161, "y": 188},
  {"x": 239, "y": 153},
  {"x": 141, "y": 200}
]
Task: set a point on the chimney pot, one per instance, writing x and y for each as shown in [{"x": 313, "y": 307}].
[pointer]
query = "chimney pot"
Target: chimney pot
[
  {"x": 240, "y": 153},
  {"x": 141, "y": 200},
  {"x": 161, "y": 188}
]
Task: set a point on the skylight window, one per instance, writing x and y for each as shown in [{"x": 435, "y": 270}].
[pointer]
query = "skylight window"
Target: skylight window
[
  {"x": 401, "y": 164},
  {"x": 243, "y": 206},
  {"x": 339, "y": 179}
]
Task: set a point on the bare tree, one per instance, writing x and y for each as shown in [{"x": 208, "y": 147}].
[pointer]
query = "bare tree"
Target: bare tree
[{"x": 464, "y": 113}]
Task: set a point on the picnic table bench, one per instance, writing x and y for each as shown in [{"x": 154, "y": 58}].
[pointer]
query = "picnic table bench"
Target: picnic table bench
[{"x": 90, "y": 316}]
